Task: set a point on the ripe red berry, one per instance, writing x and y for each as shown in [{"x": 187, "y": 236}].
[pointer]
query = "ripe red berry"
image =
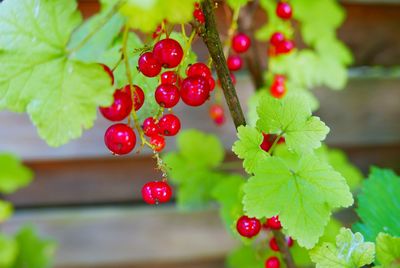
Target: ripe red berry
[
  {"x": 278, "y": 90},
  {"x": 278, "y": 78},
  {"x": 195, "y": 90},
  {"x": 272, "y": 262},
  {"x": 273, "y": 244},
  {"x": 276, "y": 38},
  {"x": 156, "y": 192},
  {"x": 158, "y": 143},
  {"x": 167, "y": 95},
  {"x": 211, "y": 83},
  {"x": 120, "y": 139},
  {"x": 198, "y": 69},
  {"x": 169, "y": 77},
  {"x": 240, "y": 43},
  {"x": 120, "y": 108},
  {"x": 109, "y": 72},
  {"x": 138, "y": 96},
  {"x": 217, "y": 114},
  {"x": 150, "y": 127},
  {"x": 169, "y": 125},
  {"x": 149, "y": 65},
  {"x": 284, "y": 10},
  {"x": 234, "y": 62},
  {"x": 267, "y": 142},
  {"x": 273, "y": 223},
  {"x": 168, "y": 52},
  {"x": 199, "y": 15},
  {"x": 248, "y": 227},
  {"x": 284, "y": 47},
  {"x": 289, "y": 241}
]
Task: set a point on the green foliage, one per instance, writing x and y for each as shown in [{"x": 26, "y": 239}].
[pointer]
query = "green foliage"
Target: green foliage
[
  {"x": 245, "y": 257},
  {"x": 8, "y": 251},
  {"x": 378, "y": 204},
  {"x": 237, "y": 4},
  {"x": 6, "y": 210},
  {"x": 388, "y": 250},
  {"x": 13, "y": 175},
  {"x": 350, "y": 251},
  {"x": 291, "y": 117},
  {"x": 60, "y": 94}
]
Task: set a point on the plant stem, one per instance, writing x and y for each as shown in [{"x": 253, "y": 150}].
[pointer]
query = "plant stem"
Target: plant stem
[{"x": 211, "y": 38}]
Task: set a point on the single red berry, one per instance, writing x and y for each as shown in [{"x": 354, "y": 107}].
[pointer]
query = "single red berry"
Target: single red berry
[
  {"x": 150, "y": 127},
  {"x": 289, "y": 241},
  {"x": 149, "y": 65},
  {"x": 120, "y": 108},
  {"x": 199, "y": 15},
  {"x": 109, "y": 72},
  {"x": 138, "y": 96},
  {"x": 234, "y": 62},
  {"x": 169, "y": 125},
  {"x": 169, "y": 77},
  {"x": 168, "y": 52},
  {"x": 277, "y": 90},
  {"x": 217, "y": 114},
  {"x": 198, "y": 69},
  {"x": 278, "y": 78},
  {"x": 273, "y": 223},
  {"x": 240, "y": 43},
  {"x": 276, "y": 38},
  {"x": 167, "y": 95},
  {"x": 158, "y": 142},
  {"x": 267, "y": 142},
  {"x": 284, "y": 47},
  {"x": 272, "y": 262},
  {"x": 284, "y": 10},
  {"x": 120, "y": 139},
  {"x": 156, "y": 192},
  {"x": 195, "y": 90},
  {"x": 273, "y": 244},
  {"x": 248, "y": 227}
]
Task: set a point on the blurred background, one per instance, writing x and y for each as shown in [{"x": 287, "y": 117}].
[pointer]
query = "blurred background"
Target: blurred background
[{"x": 90, "y": 202}]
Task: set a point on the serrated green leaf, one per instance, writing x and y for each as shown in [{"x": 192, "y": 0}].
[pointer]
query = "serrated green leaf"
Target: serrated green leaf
[
  {"x": 13, "y": 175},
  {"x": 388, "y": 250},
  {"x": 314, "y": 189},
  {"x": 61, "y": 95},
  {"x": 248, "y": 147},
  {"x": 350, "y": 251},
  {"x": 8, "y": 251},
  {"x": 291, "y": 117},
  {"x": 379, "y": 205}
]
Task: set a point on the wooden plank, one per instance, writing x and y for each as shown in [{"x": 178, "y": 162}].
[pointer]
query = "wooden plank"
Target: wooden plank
[{"x": 127, "y": 237}]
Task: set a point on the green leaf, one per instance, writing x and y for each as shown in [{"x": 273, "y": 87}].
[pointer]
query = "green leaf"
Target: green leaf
[
  {"x": 350, "y": 251},
  {"x": 236, "y": 4},
  {"x": 13, "y": 175},
  {"x": 302, "y": 192},
  {"x": 8, "y": 251},
  {"x": 6, "y": 210},
  {"x": 33, "y": 251},
  {"x": 60, "y": 95},
  {"x": 388, "y": 250},
  {"x": 245, "y": 257},
  {"x": 378, "y": 204},
  {"x": 292, "y": 118},
  {"x": 248, "y": 147}
]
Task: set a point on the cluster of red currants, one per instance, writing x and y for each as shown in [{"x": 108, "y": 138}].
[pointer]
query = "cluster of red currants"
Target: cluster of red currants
[{"x": 250, "y": 227}]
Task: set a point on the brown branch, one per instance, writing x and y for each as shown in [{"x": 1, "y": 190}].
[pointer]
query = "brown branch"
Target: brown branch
[{"x": 211, "y": 38}]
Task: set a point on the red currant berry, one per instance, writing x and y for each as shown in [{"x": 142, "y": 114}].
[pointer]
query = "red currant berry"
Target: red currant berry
[
  {"x": 284, "y": 47},
  {"x": 266, "y": 143},
  {"x": 217, "y": 114},
  {"x": 274, "y": 223},
  {"x": 109, "y": 72},
  {"x": 157, "y": 142},
  {"x": 169, "y": 77},
  {"x": 273, "y": 244},
  {"x": 289, "y": 241},
  {"x": 195, "y": 90},
  {"x": 199, "y": 16},
  {"x": 198, "y": 69},
  {"x": 278, "y": 90},
  {"x": 120, "y": 108},
  {"x": 168, "y": 52},
  {"x": 234, "y": 62},
  {"x": 169, "y": 125},
  {"x": 284, "y": 10},
  {"x": 156, "y": 192},
  {"x": 167, "y": 95},
  {"x": 150, "y": 127},
  {"x": 248, "y": 227},
  {"x": 281, "y": 140},
  {"x": 272, "y": 262},
  {"x": 196, "y": 5},
  {"x": 241, "y": 43},
  {"x": 149, "y": 65},
  {"x": 211, "y": 83},
  {"x": 276, "y": 38},
  {"x": 138, "y": 96},
  {"x": 278, "y": 78},
  {"x": 120, "y": 139}
]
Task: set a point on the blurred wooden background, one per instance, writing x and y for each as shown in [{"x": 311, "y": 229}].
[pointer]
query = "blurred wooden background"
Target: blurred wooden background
[{"x": 89, "y": 201}]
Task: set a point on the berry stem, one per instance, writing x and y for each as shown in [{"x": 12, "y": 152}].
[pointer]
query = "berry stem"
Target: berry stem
[
  {"x": 284, "y": 248},
  {"x": 271, "y": 150}
]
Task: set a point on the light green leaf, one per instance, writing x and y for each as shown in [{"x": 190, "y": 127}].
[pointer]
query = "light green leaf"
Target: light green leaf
[
  {"x": 292, "y": 117},
  {"x": 248, "y": 147},
  {"x": 388, "y": 250},
  {"x": 6, "y": 210},
  {"x": 245, "y": 257},
  {"x": 303, "y": 194},
  {"x": 350, "y": 251},
  {"x": 8, "y": 251},
  {"x": 379, "y": 204},
  {"x": 13, "y": 175},
  {"x": 61, "y": 95}
]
